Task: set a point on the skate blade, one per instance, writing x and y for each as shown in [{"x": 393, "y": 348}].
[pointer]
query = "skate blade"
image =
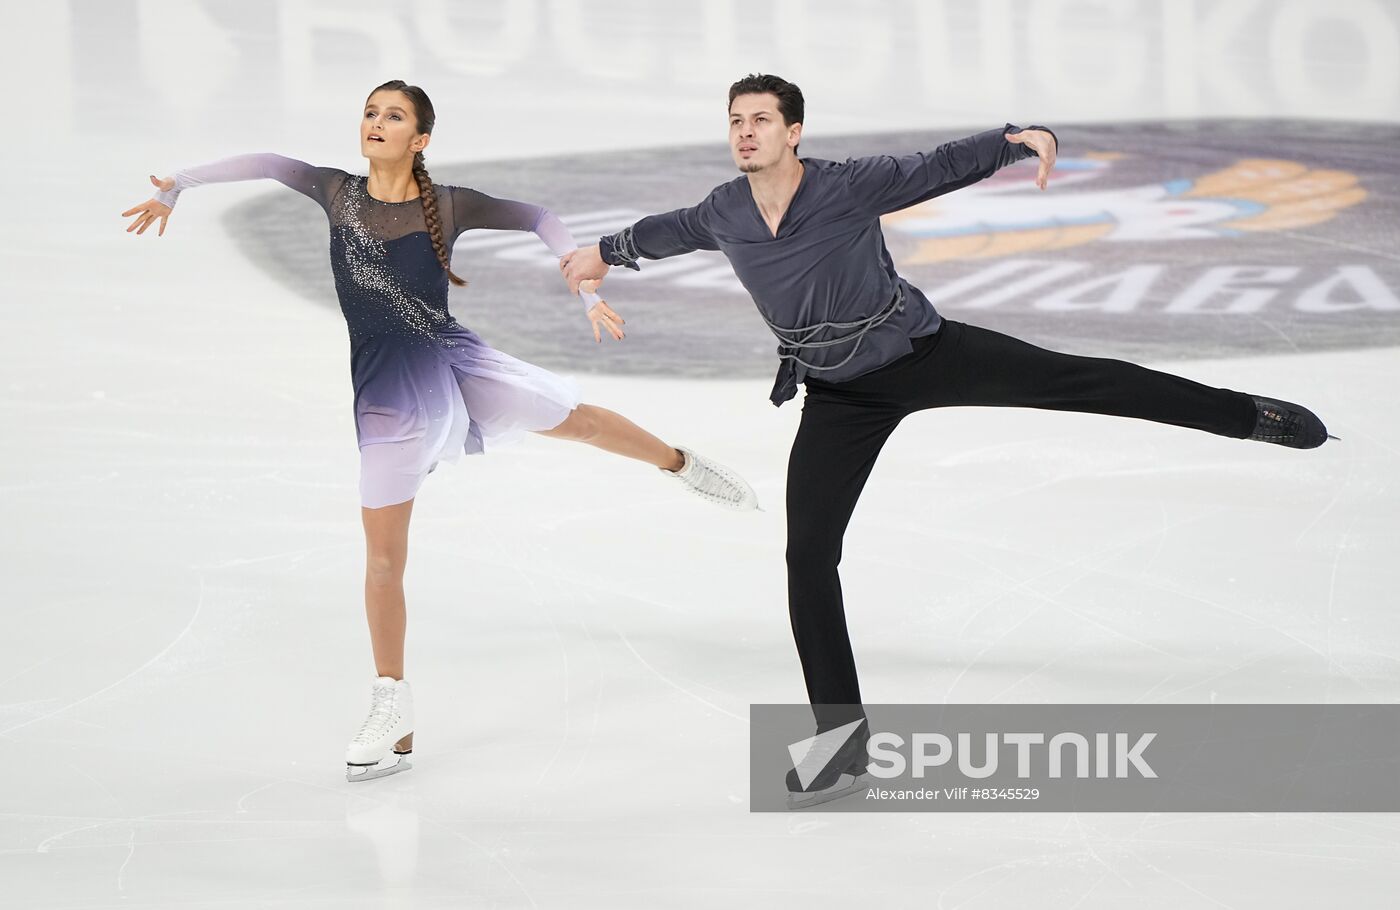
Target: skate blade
[
  {"x": 845, "y": 784},
  {"x": 356, "y": 773}
]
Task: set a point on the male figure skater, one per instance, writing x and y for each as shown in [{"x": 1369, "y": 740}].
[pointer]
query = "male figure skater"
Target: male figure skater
[{"x": 803, "y": 236}]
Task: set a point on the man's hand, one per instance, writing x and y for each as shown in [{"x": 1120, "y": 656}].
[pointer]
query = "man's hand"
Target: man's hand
[
  {"x": 1043, "y": 144},
  {"x": 582, "y": 264}
]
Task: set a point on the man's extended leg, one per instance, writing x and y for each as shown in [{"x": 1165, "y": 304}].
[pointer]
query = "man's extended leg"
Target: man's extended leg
[
  {"x": 977, "y": 366},
  {"x": 832, "y": 456}
]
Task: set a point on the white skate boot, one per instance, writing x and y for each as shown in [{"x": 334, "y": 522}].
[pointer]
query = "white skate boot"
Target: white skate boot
[
  {"x": 385, "y": 740},
  {"x": 713, "y": 482}
]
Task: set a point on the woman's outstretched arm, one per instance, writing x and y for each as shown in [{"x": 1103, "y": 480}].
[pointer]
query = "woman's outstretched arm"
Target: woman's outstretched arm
[
  {"x": 474, "y": 209},
  {"x": 319, "y": 183}
]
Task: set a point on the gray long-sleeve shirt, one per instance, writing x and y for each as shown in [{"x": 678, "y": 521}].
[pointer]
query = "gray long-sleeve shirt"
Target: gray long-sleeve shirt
[{"x": 828, "y": 263}]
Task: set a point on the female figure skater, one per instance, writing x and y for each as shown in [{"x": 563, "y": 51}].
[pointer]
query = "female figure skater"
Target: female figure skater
[{"x": 426, "y": 388}]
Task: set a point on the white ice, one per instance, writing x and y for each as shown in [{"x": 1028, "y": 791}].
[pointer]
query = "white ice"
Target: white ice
[{"x": 185, "y": 654}]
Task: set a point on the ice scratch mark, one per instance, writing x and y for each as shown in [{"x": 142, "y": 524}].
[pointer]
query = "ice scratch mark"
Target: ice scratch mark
[
  {"x": 122, "y": 871},
  {"x": 199, "y": 605},
  {"x": 675, "y": 685}
]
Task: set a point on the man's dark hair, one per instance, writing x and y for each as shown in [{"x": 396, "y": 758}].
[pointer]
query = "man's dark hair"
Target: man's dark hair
[{"x": 790, "y": 103}]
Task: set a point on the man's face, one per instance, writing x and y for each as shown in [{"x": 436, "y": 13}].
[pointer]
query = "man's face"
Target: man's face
[{"x": 758, "y": 138}]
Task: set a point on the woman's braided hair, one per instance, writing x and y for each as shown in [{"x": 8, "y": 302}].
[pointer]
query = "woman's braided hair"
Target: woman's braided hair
[{"x": 423, "y": 112}]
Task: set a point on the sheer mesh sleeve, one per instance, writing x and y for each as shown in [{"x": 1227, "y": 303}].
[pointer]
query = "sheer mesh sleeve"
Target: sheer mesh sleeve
[
  {"x": 474, "y": 209},
  {"x": 319, "y": 183}
]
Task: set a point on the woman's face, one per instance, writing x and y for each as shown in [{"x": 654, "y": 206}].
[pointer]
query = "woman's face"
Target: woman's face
[{"x": 388, "y": 128}]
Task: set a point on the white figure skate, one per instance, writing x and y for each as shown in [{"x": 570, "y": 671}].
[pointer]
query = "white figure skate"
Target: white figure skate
[
  {"x": 713, "y": 482},
  {"x": 385, "y": 740}
]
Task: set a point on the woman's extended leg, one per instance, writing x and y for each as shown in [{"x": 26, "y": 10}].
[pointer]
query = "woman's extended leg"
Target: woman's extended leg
[
  {"x": 614, "y": 433},
  {"x": 386, "y": 554},
  {"x": 520, "y": 395}
]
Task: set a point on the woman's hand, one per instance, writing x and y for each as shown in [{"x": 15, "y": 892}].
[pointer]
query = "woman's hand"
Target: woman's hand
[
  {"x": 150, "y": 210},
  {"x": 601, "y": 314}
]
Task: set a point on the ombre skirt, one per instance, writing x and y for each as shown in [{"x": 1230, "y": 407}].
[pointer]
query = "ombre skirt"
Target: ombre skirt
[{"x": 418, "y": 404}]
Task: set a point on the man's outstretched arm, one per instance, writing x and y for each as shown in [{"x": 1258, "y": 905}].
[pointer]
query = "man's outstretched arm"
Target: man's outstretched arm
[
  {"x": 653, "y": 237},
  {"x": 889, "y": 183}
]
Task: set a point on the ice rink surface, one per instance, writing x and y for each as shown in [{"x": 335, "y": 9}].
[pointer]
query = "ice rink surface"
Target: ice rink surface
[{"x": 185, "y": 653}]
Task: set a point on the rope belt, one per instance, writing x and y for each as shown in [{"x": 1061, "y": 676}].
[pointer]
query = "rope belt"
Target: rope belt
[{"x": 793, "y": 369}]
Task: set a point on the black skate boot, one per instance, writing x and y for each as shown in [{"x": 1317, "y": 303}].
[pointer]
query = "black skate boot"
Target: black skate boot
[
  {"x": 831, "y": 768},
  {"x": 1287, "y": 424}
]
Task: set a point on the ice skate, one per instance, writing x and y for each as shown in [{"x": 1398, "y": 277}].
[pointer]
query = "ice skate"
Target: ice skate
[
  {"x": 846, "y": 782},
  {"x": 385, "y": 740},
  {"x": 833, "y": 766},
  {"x": 1287, "y": 424},
  {"x": 714, "y": 482}
]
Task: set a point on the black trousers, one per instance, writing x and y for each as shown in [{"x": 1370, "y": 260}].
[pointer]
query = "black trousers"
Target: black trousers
[{"x": 844, "y": 426}]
